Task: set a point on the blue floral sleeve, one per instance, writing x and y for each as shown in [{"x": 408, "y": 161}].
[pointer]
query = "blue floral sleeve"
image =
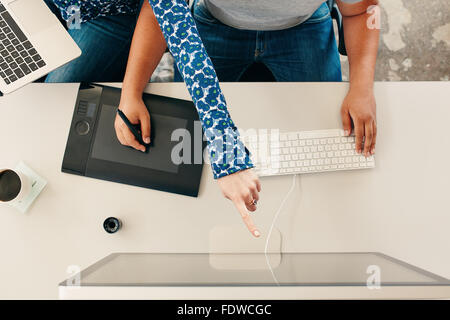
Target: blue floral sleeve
[{"x": 226, "y": 150}]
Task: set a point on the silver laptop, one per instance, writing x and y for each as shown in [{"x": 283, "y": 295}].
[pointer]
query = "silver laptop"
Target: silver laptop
[{"x": 32, "y": 43}]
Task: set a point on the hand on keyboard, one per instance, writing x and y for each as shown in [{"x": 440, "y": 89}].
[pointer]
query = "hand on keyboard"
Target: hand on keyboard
[
  {"x": 360, "y": 107},
  {"x": 243, "y": 189}
]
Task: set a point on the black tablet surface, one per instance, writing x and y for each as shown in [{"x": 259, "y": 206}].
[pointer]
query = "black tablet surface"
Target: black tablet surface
[{"x": 174, "y": 159}]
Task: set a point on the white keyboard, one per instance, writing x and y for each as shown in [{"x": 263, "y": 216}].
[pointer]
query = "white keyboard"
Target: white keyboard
[{"x": 301, "y": 152}]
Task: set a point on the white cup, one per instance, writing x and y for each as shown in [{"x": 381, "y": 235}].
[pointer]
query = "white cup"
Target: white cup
[{"x": 14, "y": 186}]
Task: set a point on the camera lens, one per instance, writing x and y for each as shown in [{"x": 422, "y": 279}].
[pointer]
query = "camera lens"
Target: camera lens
[{"x": 112, "y": 225}]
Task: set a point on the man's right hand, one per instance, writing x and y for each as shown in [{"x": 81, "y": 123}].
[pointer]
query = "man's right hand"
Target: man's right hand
[{"x": 136, "y": 111}]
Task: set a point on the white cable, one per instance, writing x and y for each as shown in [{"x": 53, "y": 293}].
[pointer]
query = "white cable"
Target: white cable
[{"x": 273, "y": 224}]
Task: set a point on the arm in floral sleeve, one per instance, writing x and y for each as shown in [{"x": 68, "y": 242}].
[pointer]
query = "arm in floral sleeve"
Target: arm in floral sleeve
[{"x": 227, "y": 152}]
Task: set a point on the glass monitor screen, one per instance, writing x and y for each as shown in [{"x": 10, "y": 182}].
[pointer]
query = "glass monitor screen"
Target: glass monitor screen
[
  {"x": 154, "y": 269},
  {"x": 107, "y": 146}
]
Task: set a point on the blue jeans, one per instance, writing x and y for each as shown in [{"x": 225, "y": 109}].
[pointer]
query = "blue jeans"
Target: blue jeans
[
  {"x": 306, "y": 52},
  {"x": 105, "y": 44}
]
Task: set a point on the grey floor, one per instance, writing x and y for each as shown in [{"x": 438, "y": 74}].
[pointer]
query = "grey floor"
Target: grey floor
[
  {"x": 415, "y": 41},
  {"x": 414, "y": 44}
]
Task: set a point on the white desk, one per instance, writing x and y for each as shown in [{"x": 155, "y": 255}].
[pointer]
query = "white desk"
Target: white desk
[{"x": 400, "y": 208}]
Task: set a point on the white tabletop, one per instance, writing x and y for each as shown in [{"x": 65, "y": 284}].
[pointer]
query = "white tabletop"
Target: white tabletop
[{"x": 399, "y": 208}]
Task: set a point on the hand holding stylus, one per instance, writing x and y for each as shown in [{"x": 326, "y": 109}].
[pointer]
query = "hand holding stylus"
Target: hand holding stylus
[
  {"x": 243, "y": 189},
  {"x": 137, "y": 113}
]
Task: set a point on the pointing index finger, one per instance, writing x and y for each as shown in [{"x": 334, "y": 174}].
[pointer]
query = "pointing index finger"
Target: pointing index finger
[{"x": 247, "y": 219}]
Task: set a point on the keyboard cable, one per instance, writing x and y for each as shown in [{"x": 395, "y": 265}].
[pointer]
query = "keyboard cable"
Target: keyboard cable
[{"x": 274, "y": 220}]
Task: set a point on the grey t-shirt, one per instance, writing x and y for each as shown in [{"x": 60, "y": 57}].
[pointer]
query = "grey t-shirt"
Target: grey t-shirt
[{"x": 263, "y": 14}]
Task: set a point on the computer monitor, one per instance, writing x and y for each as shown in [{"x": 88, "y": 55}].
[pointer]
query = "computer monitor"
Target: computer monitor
[{"x": 336, "y": 275}]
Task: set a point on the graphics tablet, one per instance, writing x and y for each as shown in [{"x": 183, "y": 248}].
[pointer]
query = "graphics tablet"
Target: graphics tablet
[{"x": 93, "y": 149}]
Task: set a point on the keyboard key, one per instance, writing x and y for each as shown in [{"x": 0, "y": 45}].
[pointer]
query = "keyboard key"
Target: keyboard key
[
  {"x": 11, "y": 36},
  {"x": 25, "y": 68},
  {"x": 275, "y": 165},
  {"x": 10, "y": 48},
  {"x": 13, "y": 78},
  {"x": 13, "y": 65},
  {"x": 2, "y": 24},
  {"x": 6, "y": 30},
  {"x": 33, "y": 51},
  {"x": 6, "y": 42},
  {"x": 24, "y": 54},
  {"x": 19, "y": 47},
  {"x": 37, "y": 57},
  {"x": 9, "y": 59},
  {"x": 27, "y": 45},
  {"x": 28, "y": 60},
  {"x": 14, "y": 54},
  {"x": 19, "y": 60},
  {"x": 7, "y": 81},
  {"x": 15, "y": 41},
  {"x": 2, "y": 8},
  {"x": 275, "y": 151},
  {"x": 33, "y": 66},
  {"x": 19, "y": 73},
  {"x": 2, "y": 36},
  {"x": 4, "y": 66}
]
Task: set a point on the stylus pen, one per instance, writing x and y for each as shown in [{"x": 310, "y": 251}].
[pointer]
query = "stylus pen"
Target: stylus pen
[{"x": 132, "y": 127}]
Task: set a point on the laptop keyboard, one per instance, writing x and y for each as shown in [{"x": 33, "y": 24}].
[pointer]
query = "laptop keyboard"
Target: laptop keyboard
[{"x": 18, "y": 58}]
